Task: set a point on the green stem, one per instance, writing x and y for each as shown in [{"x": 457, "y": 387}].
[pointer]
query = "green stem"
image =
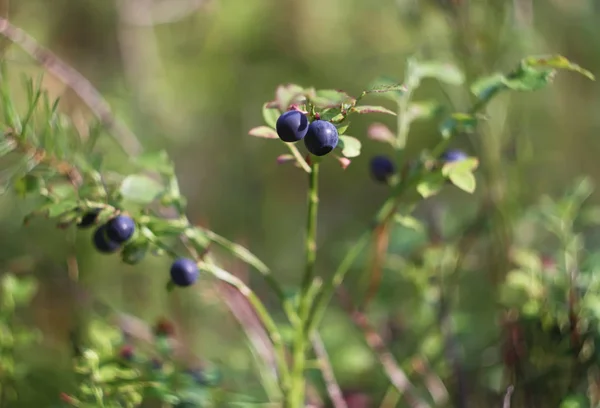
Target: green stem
[
  {"x": 311, "y": 228},
  {"x": 295, "y": 399}
]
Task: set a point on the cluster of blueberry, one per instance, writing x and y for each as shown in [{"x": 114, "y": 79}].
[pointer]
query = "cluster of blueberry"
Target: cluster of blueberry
[
  {"x": 111, "y": 236},
  {"x": 382, "y": 167},
  {"x": 320, "y": 136}
]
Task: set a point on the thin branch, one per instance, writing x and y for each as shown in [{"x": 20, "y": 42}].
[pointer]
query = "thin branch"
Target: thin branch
[
  {"x": 508, "y": 396},
  {"x": 333, "y": 389},
  {"x": 77, "y": 82}
]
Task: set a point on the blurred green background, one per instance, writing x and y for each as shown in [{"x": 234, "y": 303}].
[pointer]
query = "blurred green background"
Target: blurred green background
[{"x": 195, "y": 86}]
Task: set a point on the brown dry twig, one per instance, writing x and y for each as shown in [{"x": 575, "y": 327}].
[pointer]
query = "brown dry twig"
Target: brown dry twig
[{"x": 333, "y": 389}]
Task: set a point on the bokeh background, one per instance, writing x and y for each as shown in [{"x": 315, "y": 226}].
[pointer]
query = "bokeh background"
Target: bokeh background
[{"x": 191, "y": 77}]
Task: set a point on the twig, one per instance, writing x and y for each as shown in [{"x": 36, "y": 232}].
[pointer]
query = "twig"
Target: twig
[
  {"x": 508, "y": 396},
  {"x": 77, "y": 82},
  {"x": 333, "y": 389}
]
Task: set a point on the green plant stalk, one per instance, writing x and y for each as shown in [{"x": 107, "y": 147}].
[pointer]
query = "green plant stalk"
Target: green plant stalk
[
  {"x": 295, "y": 399},
  {"x": 386, "y": 211}
]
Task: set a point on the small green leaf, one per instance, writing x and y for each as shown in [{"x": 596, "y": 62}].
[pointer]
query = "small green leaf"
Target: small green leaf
[
  {"x": 349, "y": 145},
  {"x": 469, "y": 164},
  {"x": 464, "y": 180},
  {"x": 527, "y": 78},
  {"x": 372, "y": 109},
  {"x": 486, "y": 87},
  {"x": 390, "y": 88},
  {"x": 135, "y": 251},
  {"x": 458, "y": 123},
  {"x": 286, "y": 95},
  {"x": 441, "y": 71},
  {"x": 264, "y": 132},
  {"x": 430, "y": 185},
  {"x": 558, "y": 62},
  {"x": 62, "y": 207},
  {"x": 329, "y": 98},
  {"x": 270, "y": 115},
  {"x": 409, "y": 222},
  {"x": 342, "y": 129},
  {"x": 140, "y": 189}
]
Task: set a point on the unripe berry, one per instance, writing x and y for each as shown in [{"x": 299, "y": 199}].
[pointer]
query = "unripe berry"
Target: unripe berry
[
  {"x": 382, "y": 168},
  {"x": 454, "y": 155},
  {"x": 103, "y": 243},
  {"x": 292, "y": 126},
  {"x": 184, "y": 272},
  {"x": 120, "y": 229},
  {"x": 321, "y": 138}
]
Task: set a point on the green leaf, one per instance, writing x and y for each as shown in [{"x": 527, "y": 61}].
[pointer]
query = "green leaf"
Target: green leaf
[
  {"x": 156, "y": 161},
  {"x": 423, "y": 110},
  {"x": 21, "y": 289},
  {"x": 486, "y": 87},
  {"x": 27, "y": 184},
  {"x": 458, "y": 123},
  {"x": 465, "y": 180},
  {"x": 461, "y": 173},
  {"x": 349, "y": 145},
  {"x": 430, "y": 185},
  {"x": 135, "y": 251},
  {"x": 140, "y": 189},
  {"x": 557, "y": 62},
  {"x": 390, "y": 88},
  {"x": 468, "y": 164},
  {"x": 271, "y": 115},
  {"x": 329, "y": 98},
  {"x": 342, "y": 129},
  {"x": 527, "y": 78},
  {"x": 286, "y": 95},
  {"x": 441, "y": 71},
  {"x": 372, "y": 109},
  {"x": 62, "y": 207},
  {"x": 575, "y": 401},
  {"x": 264, "y": 132},
  {"x": 409, "y": 222}
]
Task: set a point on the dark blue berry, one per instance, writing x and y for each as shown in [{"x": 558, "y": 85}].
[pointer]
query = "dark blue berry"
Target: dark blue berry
[
  {"x": 184, "y": 272},
  {"x": 126, "y": 353},
  {"x": 103, "y": 243},
  {"x": 382, "y": 168},
  {"x": 454, "y": 155},
  {"x": 198, "y": 376},
  {"x": 89, "y": 218},
  {"x": 120, "y": 229},
  {"x": 292, "y": 126},
  {"x": 321, "y": 138}
]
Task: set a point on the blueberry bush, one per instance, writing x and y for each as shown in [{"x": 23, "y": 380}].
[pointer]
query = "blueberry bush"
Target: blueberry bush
[{"x": 544, "y": 346}]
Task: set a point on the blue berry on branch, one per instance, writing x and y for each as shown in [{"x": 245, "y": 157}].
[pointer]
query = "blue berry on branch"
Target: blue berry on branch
[
  {"x": 102, "y": 243},
  {"x": 321, "y": 137},
  {"x": 292, "y": 126},
  {"x": 120, "y": 229},
  {"x": 184, "y": 272}
]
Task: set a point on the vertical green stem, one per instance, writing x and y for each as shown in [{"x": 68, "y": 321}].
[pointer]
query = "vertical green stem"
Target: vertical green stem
[
  {"x": 296, "y": 396},
  {"x": 311, "y": 228}
]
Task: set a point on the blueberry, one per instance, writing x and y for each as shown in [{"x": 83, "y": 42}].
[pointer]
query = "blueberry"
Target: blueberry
[
  {"x": 292, "y": 126},
  {"x": 126, "y": 353},
  {"x": 89, "y": 218},
  {"x": 120, "y": 229},
  {"x": 382, "y": 168},
  {"x": 454, "y": 155},
  {"x": 184, "y": 272},
  {"x": 321, "y": 138},
  {"x": 103, "y": 243}
]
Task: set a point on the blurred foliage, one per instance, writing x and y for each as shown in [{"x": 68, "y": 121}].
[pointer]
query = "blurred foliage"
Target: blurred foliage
[{"x": 196, "y": 86}]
